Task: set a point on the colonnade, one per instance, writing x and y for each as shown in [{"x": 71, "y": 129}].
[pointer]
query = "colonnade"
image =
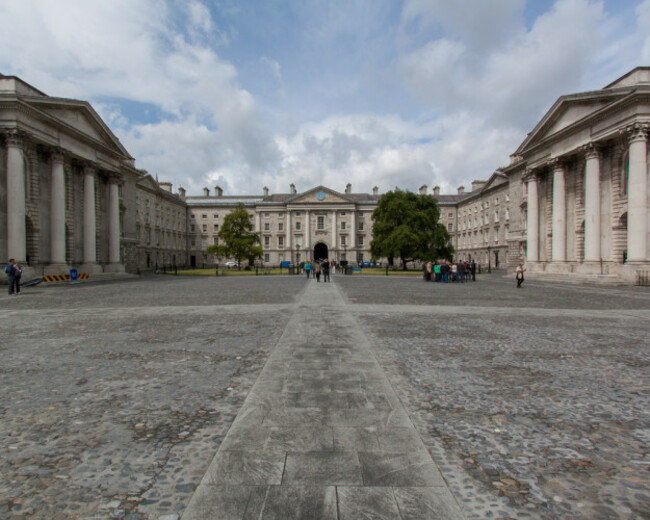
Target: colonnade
[
  {"x": 16, "y": 210},
  {"x": 637, "y": 221}
]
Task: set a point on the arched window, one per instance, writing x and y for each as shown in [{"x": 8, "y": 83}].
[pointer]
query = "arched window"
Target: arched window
[{"x": 625, "y": 172}]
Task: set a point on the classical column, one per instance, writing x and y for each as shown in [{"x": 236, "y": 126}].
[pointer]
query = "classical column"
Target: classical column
[
  {"x": 114, "y": 222},
  {"x": 90, "y": 221},
  {"x": 353, "y": 232},
  {"x": 307, "y": 244},
  {"x": 532, "y": 229},
  {"x": 16, "y": 230},
  {"x": 558, "y": 244},
  {"x": 334, "y": 237},
  {"x": 637, "y": 195},
  {"x": 592, "y": 203},
  {"x": 57, "y": 213}
]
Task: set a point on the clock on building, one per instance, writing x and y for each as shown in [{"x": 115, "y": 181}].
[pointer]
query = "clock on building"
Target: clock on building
[{"x": 320, "y": 195}]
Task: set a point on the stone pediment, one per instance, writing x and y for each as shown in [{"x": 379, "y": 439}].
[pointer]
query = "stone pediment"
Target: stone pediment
[
  {"x": 566, "y": 112},
  {"x": 320, "y": 195},
  {"x": 148, "y": 182},
  {"x": 81, "y": 118}
]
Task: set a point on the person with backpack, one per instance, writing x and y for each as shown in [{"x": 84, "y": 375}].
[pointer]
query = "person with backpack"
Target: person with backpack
[{"x": 10, "y": 271}]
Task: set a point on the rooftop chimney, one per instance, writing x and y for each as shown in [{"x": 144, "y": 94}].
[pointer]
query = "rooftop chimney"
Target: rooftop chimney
[
  {"x": 423, "y": 189},
  {"x": 266, "y": 191},
  {"x": 218, "y": 192},
  {"x": 167, "y": 186},
  {"x": 348, "y": 188},
  {"x": 477, "y": 185},
  {"x": 375, "y": 190},
  {"x": 181, "y": 192},
  {"x": 461, "y": 190},
  {"x": 206, "y": 192},
  {"x": 292, "y": 189},
  {"x": 436, "y": 191}
]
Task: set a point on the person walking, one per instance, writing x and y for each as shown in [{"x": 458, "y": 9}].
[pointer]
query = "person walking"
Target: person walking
[
  {"x": 520, "y": 275},
  {"x": 308, "y": 269},
  {"x": 326, "y": 270},
  {"x": 472, "y": 268},
  {"x": 10, "y": 271},
  {"x": 317, "y": 271},
  {"x": 436, "y": 271}
]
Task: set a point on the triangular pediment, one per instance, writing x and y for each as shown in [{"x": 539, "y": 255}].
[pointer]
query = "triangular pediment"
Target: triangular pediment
[
  {"x": 148, "y": 182},
  {"x": 567, "y": 112},
  {"x": 320, "y": 195},
  {"x": 496, "y": 179},
  {"x": 80, "y": 117}
]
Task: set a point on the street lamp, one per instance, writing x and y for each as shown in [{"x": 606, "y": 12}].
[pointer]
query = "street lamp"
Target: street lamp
[
  {"x": 295, "y": 265},
  {"x": 489, "y": 259}
]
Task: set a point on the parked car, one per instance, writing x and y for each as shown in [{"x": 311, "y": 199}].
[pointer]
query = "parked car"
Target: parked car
[{"x": 232, "y": 265}]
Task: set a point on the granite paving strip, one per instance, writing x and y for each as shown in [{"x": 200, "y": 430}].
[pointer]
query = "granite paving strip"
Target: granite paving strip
[{"x": 322, "y": 434}]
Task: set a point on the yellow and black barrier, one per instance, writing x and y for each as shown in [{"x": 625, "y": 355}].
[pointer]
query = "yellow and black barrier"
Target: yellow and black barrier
[{"x": 63, "y": 277}]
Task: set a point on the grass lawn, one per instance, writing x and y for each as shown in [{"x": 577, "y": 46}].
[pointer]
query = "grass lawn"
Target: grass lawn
[{"x": 277, "y": 270}]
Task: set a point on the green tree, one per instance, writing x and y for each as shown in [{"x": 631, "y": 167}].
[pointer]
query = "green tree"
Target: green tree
[
  {"x": 236, "y": 238},
  {"x": 406, "y": 226}
]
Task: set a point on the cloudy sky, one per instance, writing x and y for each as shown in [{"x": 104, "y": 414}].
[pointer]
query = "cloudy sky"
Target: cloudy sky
[{"x": 252, "y": 93}]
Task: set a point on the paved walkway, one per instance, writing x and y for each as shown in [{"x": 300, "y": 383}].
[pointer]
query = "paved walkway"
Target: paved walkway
[{"x": 322, "y": 434}]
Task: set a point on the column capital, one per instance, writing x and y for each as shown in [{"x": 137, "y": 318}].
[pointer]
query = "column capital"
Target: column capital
[
  {"x": 637, "y": 131},
  {"x": 14, "y": 136},
  {"x": 591, "y": 151},
  {"x": 58, "y": 154},
  {"x": 530, "y": 175},
  {"x": 89, "y": 168},
  {"x": 556, "y": 163},
  {"x": 115, "y": 178}
]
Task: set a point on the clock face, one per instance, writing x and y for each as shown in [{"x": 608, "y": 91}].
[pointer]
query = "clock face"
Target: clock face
[{"x": 320, "y": 195}]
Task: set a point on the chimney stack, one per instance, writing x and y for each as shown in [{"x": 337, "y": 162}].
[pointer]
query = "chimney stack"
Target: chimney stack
[
  {"x": 436, "y": 191},
  {"x": 292, "y": 189},
  {"x": 477, "y": 185},
  {"x": 266, "y": 191},
  {"x": 375, "y": 190},
  {"x": 218, "y": 192},
  {"x": 167, "y": 186},
  {"x": 181, "y": 192},
  {"x": 461, "y": 190},
  {"x": 423, "y": 189},
  {"x": 206, "y": 192},
  {"x": 348, "y": 188}
]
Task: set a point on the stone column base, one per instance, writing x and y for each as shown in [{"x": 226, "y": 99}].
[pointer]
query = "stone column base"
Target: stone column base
[
  {"x": 90, "y": 268},
  {"x": 114, "y": 268},
  {"x": 52, "y": 269}
]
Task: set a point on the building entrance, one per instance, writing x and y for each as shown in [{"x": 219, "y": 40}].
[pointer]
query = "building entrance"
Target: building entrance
[{"x": 320, "y": 251}]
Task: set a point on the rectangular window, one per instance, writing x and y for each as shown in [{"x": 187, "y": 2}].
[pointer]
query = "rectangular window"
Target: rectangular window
[
  {"x": 191, "y": 216},
  {"x": 192, "y": 228},
  {"x": 204, "y": 216},
  {"x": 280, "y": 242},
  {"x": 204, "y": 228},
  {"x": 360, "y": 241},
  {"x": 267, "y": 258},
  {"x": 216, "y": 227},
  {"x": 297, "y": 213},
  {"x": 281, "y": 226},
  {"x": 360, "y": 257},
  {"x": 320, "y": 223},
  {"x": 193, "y": 242},
  {"x": 298, "y": 226},
  {"x": 343, "y": 213},
  {"x": 360, "y": 214},
  {"x": 343, "y": 225},
  {"x": 450, "y": 215},
  {"x": 281, "y": 215},
  {"x": 267, "y": 226},
  {"x": 267, "y": 215},
  {"x": 450, "y": 226},
  {"x": 343, "y": 241},
  {"x": 267, "y": 241},
  {"x": 360, "y": 226},
  {"x": 215, "y": 216}
]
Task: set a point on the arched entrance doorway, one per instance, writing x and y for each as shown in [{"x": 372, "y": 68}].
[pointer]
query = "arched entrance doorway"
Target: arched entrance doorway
[{"x": 320, "y": 251}]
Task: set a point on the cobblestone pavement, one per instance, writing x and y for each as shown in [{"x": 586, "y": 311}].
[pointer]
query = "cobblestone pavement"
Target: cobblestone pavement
[
  {"x": 536, "y": 409},
  {"x": 533, "y": 402}
]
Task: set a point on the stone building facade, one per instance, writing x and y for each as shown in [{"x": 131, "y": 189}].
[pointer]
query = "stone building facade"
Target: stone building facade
[
  {"x": 160, "y": 225},
  {"x": 67, "y": 185},
  {"x": 574, "y": 198},
  {"x": 293, "y": 227}
]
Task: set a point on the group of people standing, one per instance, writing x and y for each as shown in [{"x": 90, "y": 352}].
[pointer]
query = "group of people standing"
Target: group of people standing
[
  {"x": 14, "y": 273},
  {"x": 317, "y": 268},
  {"x": 449, "y": 271}
]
